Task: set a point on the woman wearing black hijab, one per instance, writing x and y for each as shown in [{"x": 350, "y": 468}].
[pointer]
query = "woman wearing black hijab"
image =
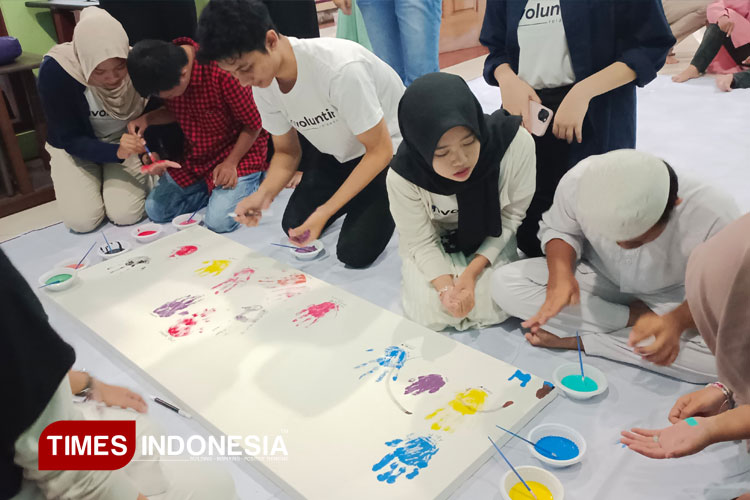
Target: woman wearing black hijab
[{"x": 458, "y": 187}]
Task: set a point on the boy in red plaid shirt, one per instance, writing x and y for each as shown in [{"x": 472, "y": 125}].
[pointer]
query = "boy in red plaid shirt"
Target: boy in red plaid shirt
[{"x": 224, "y": 157}]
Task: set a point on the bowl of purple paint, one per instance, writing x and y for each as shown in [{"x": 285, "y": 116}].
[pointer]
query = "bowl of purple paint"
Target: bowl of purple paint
[
  {"x": 308, "y": 252},
  {"x": 557, "y": 445}
]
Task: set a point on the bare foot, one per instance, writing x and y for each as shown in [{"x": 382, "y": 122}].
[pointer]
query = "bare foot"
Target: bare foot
[
  {"x": 724, "y": 82},
  {"x": 672, "y": 59},
  {"x": 543, "y": 338},
  {"x": 637, "y": 309},
  {"x": 688, "y": 74}
]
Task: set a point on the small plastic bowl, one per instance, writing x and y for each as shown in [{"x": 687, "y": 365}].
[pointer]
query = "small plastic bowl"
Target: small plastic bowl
[
  {"x": 72, "y": 262},
  {"x": 545, "y": 430},
  {"x": 58, "y": 274},
  {"x": 114, "y": 244},
  {"x": 575, "y": 369},
  {"x": 310, "y": 254},
  {"x": 532, "y": 473},
  {"x": 181, "y": 221},
  {"x": 146, "y": 233}
]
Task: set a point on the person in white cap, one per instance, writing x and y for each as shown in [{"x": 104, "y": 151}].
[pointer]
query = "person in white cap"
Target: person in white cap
[{"x": 617, "y": 239}]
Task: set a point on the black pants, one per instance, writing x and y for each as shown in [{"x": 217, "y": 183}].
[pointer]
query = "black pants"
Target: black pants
[
  {"x": 297, "y": 18},
  {"x": 368, "y": 225},
  {"x": 154, "y": 19},
  {"x": 712, "y": 42},
  {"x": 552, "y": 162}
]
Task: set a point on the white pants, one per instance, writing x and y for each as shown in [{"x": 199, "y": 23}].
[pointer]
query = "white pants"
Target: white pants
[{"x": 601, "y": 318}]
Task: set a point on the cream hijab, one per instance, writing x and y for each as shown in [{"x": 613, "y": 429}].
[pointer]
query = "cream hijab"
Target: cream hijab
[
  {"x": 717, "y": 285},
  {"x": 96, "y": 38}
]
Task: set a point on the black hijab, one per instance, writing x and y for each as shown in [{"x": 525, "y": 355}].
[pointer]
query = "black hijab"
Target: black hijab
[
  {"x": 432, "y": 105},
  {"x": 33, "y": 362}
]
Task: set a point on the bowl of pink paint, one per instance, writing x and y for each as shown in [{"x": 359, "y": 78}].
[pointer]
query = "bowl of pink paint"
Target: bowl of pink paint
[
  {"x": 308, "y": 252},
  {"x": 568, "y": 378},
  {"x": 74, "y": 263},
  {"x": 58, "y": 279},
  {"x": 185, "y": 221},
  {"x": 146, "y": 233},
  {"x": 557, "y": 445},
  {"x": 543, "y": 483}
]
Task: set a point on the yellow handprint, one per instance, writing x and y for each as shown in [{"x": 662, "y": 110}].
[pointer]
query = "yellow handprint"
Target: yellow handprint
[
  {"x": 214, "y": 267},
  {"x": 465, "y": 403}
]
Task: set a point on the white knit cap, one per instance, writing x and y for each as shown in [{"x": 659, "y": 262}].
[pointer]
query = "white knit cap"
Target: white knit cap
[{"x": 622, "y": 194}]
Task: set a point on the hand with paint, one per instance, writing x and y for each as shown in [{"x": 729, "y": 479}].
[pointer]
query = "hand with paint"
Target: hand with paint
[
  {"x": 562, "y": 291},
  {"x": 705, "y": 402},
  {"x": 686, "y": 437},
  {"x": 250, "y": 209},
  {"x": 225, "y": 175},
  {"x": 310, "y": 230},
  {"x": 666, "y": 329},
  {"x": 112, "y": 395}
]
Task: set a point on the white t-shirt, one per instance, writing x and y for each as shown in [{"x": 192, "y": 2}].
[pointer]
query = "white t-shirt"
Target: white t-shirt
[
  {"x": 444, "y": 208},
  {"x": 544, "y": 58},
  {"x": 342, "y": 90},
  {"x": 105, "y": 126}
]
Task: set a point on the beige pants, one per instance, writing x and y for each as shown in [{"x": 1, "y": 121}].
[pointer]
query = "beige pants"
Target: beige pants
[
  {"x": 87, "y": 191},
  {"x": 685, "y": 17}
]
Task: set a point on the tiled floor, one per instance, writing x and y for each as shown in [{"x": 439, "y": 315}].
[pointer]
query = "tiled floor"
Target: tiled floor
[{"x": 48, "y": 214}]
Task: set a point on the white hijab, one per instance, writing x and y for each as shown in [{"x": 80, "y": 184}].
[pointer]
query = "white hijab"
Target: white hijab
[{"x": 98, "y": 37}]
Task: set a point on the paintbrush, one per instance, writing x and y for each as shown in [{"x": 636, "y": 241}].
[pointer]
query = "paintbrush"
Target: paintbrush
[
  {"x": 512, "y": 468},
  {"x": 148, "y": 152},
  {"x": 580, "y": 358},
  {"x": 190, "y": 219},
  {"x": 535, "y": 445},
  {"x": 109, "y": 247},
  {"x": 53, "y": 283},
  {"x": 86, "y": 254}
]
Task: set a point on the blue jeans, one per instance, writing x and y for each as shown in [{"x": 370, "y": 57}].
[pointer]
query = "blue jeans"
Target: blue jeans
[
  {"x": 405, "y": 34},
  {"x": 168, "y": 200}
]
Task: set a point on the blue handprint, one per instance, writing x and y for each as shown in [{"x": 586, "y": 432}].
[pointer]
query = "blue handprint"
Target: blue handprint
[
  {"x": 393, "y": 359},
  {"x": 416, "y": 452},
  {"x": 525, "y": 378}
]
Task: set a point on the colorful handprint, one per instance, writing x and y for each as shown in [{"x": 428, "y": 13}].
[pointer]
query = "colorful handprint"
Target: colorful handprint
[
  {"x": 415, "y": 453},
  {"x": 392, "y": 360},
  {"x": 465, "y": 403},
  {"x": 314, "y": 313},
  {"x": 212, "y": 267},
  {"x": 241, "y": 277}
]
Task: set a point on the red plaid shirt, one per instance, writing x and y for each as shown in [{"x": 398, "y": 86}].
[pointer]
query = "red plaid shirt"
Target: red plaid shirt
[{"x": 212, "y": 112}]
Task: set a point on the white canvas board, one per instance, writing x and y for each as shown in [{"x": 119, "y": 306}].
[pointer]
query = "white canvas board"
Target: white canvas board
[{"x": 369, "y": 404}]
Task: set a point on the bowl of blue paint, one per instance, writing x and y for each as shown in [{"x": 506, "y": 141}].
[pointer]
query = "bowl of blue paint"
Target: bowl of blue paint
[
  {"x": 568, "y": 378},
  {"x": 557, "y": 445},
  {"x": 58, "y": 279}
]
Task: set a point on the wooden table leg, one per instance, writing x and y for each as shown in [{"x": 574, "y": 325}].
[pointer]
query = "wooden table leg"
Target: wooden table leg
[
  {"x": 65, "y": 23},
  {"x": 14, "y": 151}
]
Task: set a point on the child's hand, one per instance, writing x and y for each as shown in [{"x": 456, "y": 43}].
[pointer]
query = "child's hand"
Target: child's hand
[
  {"x": 130, "y": 145},
  {"x": 462, "y": 294},
  {"x": 225, "y": 175}
]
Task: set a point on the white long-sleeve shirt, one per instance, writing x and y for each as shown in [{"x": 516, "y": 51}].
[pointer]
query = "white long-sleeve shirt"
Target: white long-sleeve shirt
[
  {"x": 422, "y": 217},
  {"x": 658, "y": 266}
]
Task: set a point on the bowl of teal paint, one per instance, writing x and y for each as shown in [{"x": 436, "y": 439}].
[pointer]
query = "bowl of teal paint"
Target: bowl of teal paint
[
  {"x": 544, "y": 484},
  {"x": 557, "y": 445},
  {"x": 58, "y": 279},
  {"x": 568, "y": 378}
]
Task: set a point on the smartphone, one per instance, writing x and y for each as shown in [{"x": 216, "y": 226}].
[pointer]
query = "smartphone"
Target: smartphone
[{"x": 541, "y": 117}]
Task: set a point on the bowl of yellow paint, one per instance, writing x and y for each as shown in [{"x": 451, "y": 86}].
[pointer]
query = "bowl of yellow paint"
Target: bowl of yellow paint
[
  {"x": 58, "y": 279},
  {"x": 557, "y": 445},
  {"x": 568, "y": 378},
  {"x": 544, "y": 484}
]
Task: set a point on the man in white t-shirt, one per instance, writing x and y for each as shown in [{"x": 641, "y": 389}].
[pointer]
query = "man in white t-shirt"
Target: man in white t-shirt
[{"x": 341, "y": 97}]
